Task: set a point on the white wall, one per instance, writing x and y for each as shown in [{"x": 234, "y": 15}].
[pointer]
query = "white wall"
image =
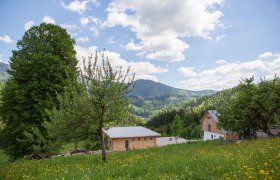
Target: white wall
[{"x": 210, "y": 135}]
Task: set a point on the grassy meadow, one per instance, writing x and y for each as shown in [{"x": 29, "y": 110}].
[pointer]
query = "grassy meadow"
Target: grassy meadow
[{"x": 257, "y": 159}]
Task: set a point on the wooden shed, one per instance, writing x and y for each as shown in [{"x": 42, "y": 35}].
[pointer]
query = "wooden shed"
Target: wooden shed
[{"x": 133, "y": 137}]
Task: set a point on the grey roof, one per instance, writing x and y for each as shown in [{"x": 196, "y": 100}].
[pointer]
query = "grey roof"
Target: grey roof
[
  {"x": 215, "y": 115},
  {"x": 132, "y": 131}
]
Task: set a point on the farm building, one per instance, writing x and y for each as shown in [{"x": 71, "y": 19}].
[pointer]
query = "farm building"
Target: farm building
[
  {"x": 133, "y": 137},
  {"x": 211, "y": 131}
]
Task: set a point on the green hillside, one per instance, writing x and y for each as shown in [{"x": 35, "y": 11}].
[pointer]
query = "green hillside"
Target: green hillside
[
  {"x": 148, "y": 97},
  {"x": 190, "y": 113},
  {"x": 258, "y": 159}
]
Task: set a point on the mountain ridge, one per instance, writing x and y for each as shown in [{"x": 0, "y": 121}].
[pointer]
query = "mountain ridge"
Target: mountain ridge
[{"x": 148, "y": 97}]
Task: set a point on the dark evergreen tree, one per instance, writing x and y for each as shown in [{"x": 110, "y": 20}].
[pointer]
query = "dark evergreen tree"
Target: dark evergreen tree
[{"x": 43, "y": 67}]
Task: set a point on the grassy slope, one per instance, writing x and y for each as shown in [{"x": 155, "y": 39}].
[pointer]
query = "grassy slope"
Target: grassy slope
[{"x": 201, "y": 160}]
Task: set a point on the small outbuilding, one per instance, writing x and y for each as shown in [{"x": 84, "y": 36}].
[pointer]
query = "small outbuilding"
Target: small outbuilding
[
  {"x": 211, "y": 131},
  {"x": 132, "y": 137}
]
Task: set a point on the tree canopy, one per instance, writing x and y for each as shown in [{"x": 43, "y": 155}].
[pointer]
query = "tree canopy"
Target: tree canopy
[
  {"x": 43, "y": 66},
  {"x": 254, "y": 107}
]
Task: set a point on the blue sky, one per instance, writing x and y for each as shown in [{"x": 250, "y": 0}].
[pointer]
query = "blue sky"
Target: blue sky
[{"x": 190, "y": 44}]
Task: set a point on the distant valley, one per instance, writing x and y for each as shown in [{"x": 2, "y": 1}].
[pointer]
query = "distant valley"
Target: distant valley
[{"x": 148, "y": 97}]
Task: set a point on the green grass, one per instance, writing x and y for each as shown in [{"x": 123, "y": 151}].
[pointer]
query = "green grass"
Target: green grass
[
  {"x": 258, "y": 159},
  {"x": 71, "y": 146}
]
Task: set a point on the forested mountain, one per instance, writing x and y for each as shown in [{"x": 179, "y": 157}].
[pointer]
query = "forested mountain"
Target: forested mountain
[
  {"x": 148, "y": 97},
  {"x": 3, "y": 71},
  {"x": 190, "y": 113}
]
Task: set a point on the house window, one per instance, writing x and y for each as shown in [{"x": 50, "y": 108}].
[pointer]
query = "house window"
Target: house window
[
  {"x": 145, "y": 139},
  {"x": 209, "y": 127},
  {"x": 211, "y": 136},
  {"x": 151, "y": 138},
  {"x": 132, "y": 139},
  {"x": 139, "y": 139}
]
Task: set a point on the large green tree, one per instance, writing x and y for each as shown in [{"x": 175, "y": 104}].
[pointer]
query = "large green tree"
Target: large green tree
[
  {"x": 255, "y": 106},
  {"x": 43, "y": 66},
  {"x": 107, "y": 88}
]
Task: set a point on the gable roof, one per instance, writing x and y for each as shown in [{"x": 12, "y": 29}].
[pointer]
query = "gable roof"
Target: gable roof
[
  {"x": 215, "y": 115},
  {"x": 131, "y": 131}
]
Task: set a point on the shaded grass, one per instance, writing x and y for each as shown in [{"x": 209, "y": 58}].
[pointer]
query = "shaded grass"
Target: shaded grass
[
  {"x": 71, "y": 146},
  {"x": 257, "y": 159}
]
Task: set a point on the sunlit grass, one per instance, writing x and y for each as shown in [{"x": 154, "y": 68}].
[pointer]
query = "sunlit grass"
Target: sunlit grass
[{"x": 259, "y": 159}]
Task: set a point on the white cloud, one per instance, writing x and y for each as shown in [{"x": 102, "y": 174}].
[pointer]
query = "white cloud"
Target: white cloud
[
  {"x": 221, "y": 62},
  {"x": 83, "y": 39},
  {"x": 219, "y": 38},
  {"x": 76, "y": 6},
  {"x": 228, "y": 75},
  {"x": 95, "y": 20},
  {"x": 94, "y": 30},
  {"x": 95, "y": 2},
  {"x": 69, "y": 26},
  {"x": 28, "y": 25},
  {"x": 160, "y": 26},
  {"x": 142, "y": 69},
  {"x": 187, "y": 71},
  {"x": 6, "y": 39},
  {"x": 266, "y": 55},
  {"x": 84, "y": 20},
  {"x": 1, "y": 60},
  {"x": 48, "y": 20}
]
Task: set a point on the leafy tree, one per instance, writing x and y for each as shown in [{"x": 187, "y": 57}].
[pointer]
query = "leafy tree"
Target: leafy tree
[
  {"x": 72, "y": 120},
  {"x": 235, "y": 113},
  {"x": 106, "y": 88},
  {"x": 254, "y": 107},
  {"x": 177, "y": 127},
  {"x": 43, "y": 67}
]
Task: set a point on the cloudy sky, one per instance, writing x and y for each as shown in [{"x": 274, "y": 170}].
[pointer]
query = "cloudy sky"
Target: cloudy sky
[{"x": 189, "y": 44}]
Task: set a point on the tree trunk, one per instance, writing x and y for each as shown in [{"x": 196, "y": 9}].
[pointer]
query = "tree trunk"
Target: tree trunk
[
  {"x": 101, "y": 134},
  {"x": 268, "y": 132},
  {"x": 76, "y": 144}
]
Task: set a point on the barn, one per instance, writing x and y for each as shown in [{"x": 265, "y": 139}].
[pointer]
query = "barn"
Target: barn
[{"x": 132, "y": 137}]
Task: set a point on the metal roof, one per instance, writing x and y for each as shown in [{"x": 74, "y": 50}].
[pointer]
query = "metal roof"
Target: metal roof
[
  {"x": 215, "y": 115},
  {"x": 131, "y": 131}
]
